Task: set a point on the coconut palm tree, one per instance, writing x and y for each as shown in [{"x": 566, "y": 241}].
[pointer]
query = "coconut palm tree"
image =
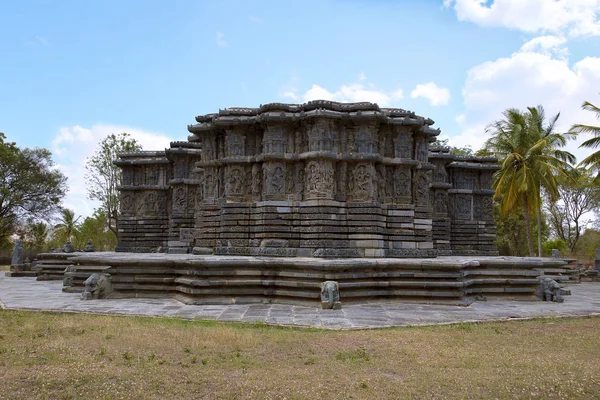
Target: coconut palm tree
[
  {"x": 592, "y": 162},
  {"x": 530, "y": 158},
  {"x": 67, "y": 226},
  {"x": 38, "y": 232}
]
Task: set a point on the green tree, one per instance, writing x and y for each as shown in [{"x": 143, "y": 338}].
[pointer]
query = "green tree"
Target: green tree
[
  {"x": 67, "y": 228},
  {"x": 578, "y": 197},
  {"x": 104, "y": 177},
  {"x": 37, "y": 234},
  {"x": 530, "y": 160},
  {"x": 95, "y": 228},
  {"x": 593, "y": 160},
  {"x": 459, "y": 151},
  {"x": 30, "y": 186}
]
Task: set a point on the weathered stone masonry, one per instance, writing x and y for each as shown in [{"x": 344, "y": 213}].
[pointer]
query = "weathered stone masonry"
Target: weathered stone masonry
[{"x": 320, "y": 179}]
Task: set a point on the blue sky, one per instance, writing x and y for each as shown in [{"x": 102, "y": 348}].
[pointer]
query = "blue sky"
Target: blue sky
[{"x": 74, "y": 71}]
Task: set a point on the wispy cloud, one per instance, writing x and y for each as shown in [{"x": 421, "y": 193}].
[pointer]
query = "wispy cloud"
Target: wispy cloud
[
  {"x": 255, "y": 19},
  {"x": 37, "y": 41},
  {"x": 221, "y": 42}
]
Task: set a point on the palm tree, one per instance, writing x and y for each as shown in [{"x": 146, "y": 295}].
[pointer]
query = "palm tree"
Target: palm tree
[
  {"x": 530, "y": 159},
  {"x": 593, "y": 160},
  {"x": 68, "y": 224},
  {"x": 39, "y": 233}
]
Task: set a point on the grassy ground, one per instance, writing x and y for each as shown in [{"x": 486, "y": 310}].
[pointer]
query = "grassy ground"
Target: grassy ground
[
  {"x": 4, "y": 267},
  {"x": 54, "y": 356}
]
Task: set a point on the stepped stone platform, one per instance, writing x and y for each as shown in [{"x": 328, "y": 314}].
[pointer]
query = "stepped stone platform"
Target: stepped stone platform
[
  {"x": 29, "y": 294},
  {"x": 198, "y": 279}
]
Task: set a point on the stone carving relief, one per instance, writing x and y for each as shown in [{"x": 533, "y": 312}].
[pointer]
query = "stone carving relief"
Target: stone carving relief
[
  {"x": 464, "y": 180},
  {"x": 126, "y": 203},
  {"x": 441, "y": 203},
  {"x": 181, "y": 169},
  {"x": 162, "y": 203},
  {"x": 462, "y": 206},
  {"x": 402, "y": 183},
  {"x": 440, "y": 175},
  {"x": 234, "y": 182},
  {"x": 274, "y": 141},
  {"x": 235, "y": 144},
  {"x": 421, "y": 149},
  {"x": 319, "y": 181},
  {"x": 365, "y": 141},
  {"x": 321, "y": 135},
  {"x": 256, "y": 182},
  {"x": 150, "y": 203},
  {"x": 179, "y": 199},
  {"x": 484, "y": 208},
  {"x": 360, "y": 182},
  {"x": 209, "y": 148},
  {"x": 421, "y": 188},
  {"x": 210, "y": 185},
  {"x": 403, "y": 145},
  {"x": 486, "y": 179},
  {"x": 127, "y": 176}
]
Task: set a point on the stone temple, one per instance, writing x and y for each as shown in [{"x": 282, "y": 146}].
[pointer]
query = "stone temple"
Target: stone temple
[
  {"x": 321, "y": 179},
  {"x": 320, "y": 203}
]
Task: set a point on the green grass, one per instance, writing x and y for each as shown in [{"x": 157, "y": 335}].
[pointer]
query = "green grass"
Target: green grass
[{"x": 65, "y": 356}]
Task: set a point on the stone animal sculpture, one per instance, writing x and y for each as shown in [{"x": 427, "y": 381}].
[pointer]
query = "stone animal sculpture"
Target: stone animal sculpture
[
  {"x": 330, "y": 295},
  {"x": 549, "y": 290},
  {"x": 97, "y": 286}
]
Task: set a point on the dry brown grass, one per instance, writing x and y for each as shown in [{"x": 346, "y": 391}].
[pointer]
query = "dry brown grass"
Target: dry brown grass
[
  {"x": 4, "y": 267},
  {"x": 54, "y": 356}
]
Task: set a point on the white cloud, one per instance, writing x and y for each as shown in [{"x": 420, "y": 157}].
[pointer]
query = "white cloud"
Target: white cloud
[
  {"x": 362, "y": 76},
  {"x": 73, "y": 145},
  {"x": 353, "y": 92},
  {"x": 575, "y": 17},
  {"x": 549, "y": 45},
  {"x": 221, "y": 42},
  {"x": 255, "y": 19},
  {"x": 528, "y": 78},
  {"x": 436, "y": 95}
]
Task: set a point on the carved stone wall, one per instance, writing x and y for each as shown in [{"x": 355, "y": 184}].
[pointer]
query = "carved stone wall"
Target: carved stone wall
[
  {"x": 145, "y": 206},
  {"x": 320, "y": 179}
]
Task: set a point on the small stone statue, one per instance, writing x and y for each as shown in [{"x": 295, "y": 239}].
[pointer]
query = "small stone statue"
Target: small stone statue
[
  {"x": 68, "y": 247},
  {"x": 17, "y": 257},
  {"x": 330, "y": 295},
  {"x": 555, "y": 253},
  {"x": 89, "y": 247},
  {"x": 68, "y": 277},
  {"x": 97, "y": 286},
  {"x": 549, "y": 290}
]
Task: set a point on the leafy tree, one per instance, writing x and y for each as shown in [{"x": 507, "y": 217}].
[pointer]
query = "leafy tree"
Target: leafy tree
[
  {"x": 459, "y": 151},
  {"x": 511, "y": 232},
  {"x": 30, "y": 186},
  {"x": 588, "y": 244},
  {"x": 96, "y": 229},
  {"x": 103, "y": 176},
  {"x": 37, "y": 234},
  {"x": 67, "y": 228},
  {"x": 530, "y": 159},
  {"x": 579, "y": 196},
  {"x": 593, "y": 160}
]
